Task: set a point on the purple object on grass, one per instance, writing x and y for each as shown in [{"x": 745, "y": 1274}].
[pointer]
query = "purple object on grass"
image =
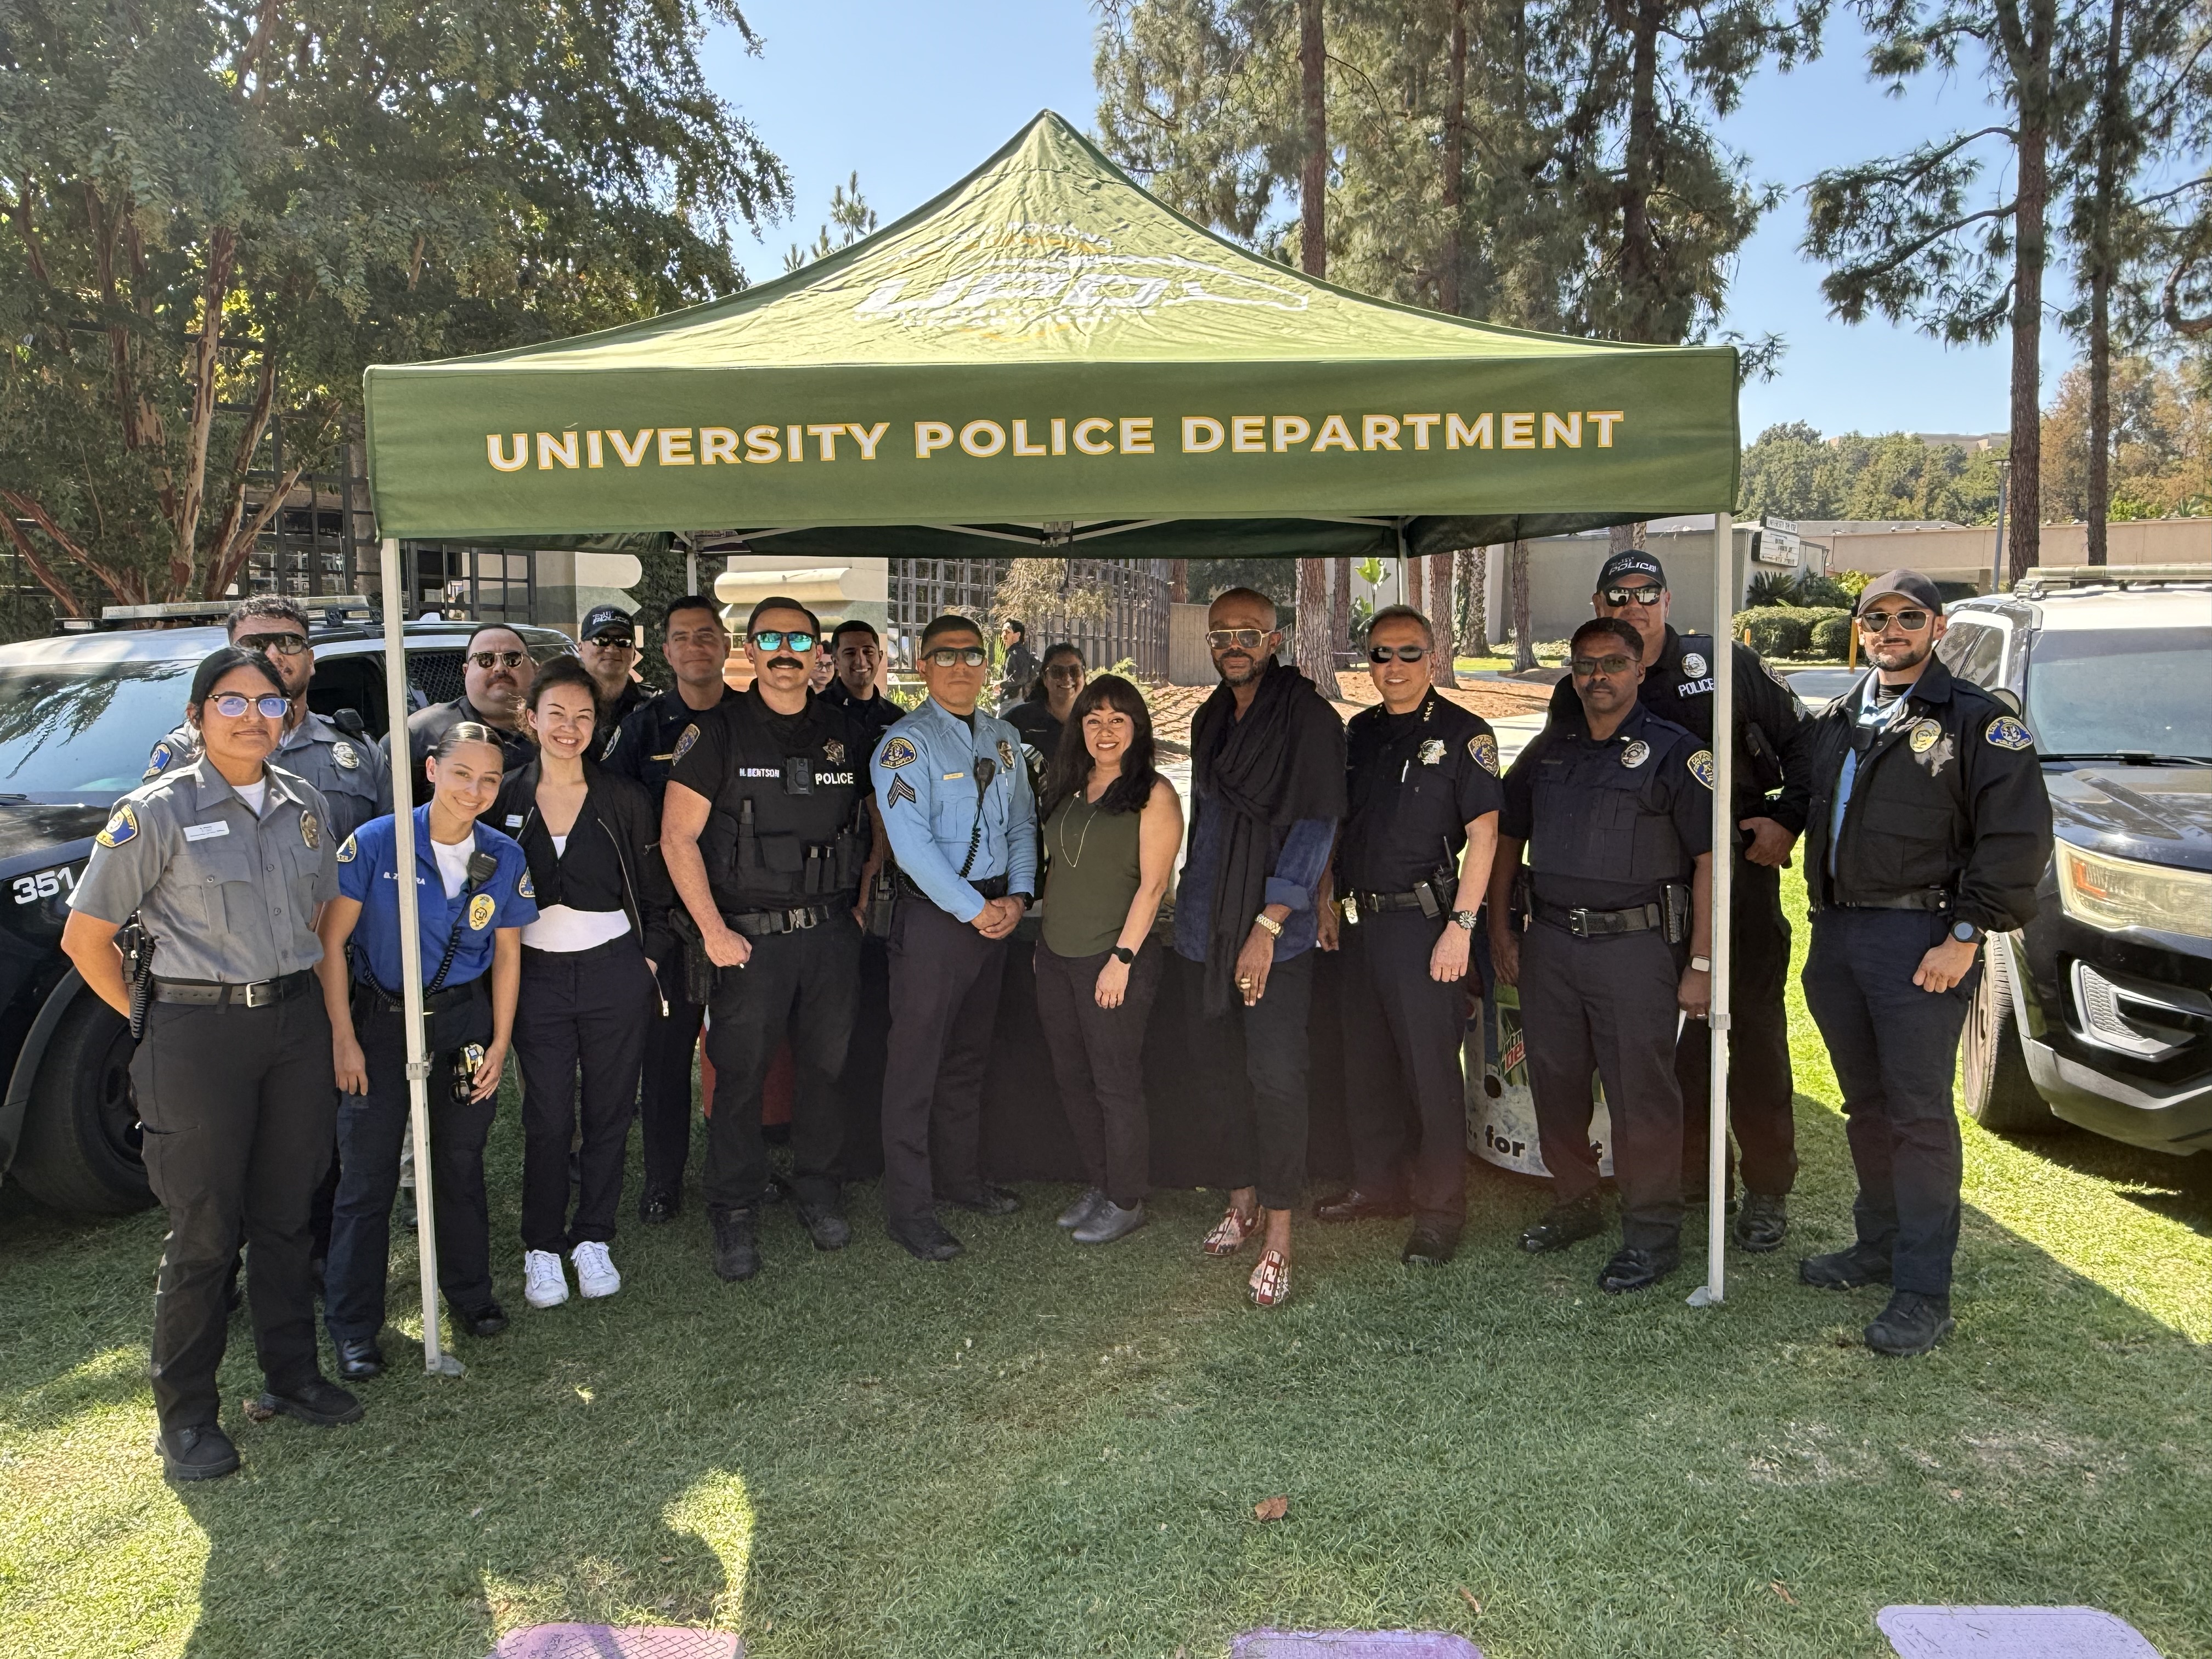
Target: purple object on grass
[
  {"x": 607, "y": 1641},
  {"x": 2011, "y": 1633},
  {"x": 1353, "y": 1644}
]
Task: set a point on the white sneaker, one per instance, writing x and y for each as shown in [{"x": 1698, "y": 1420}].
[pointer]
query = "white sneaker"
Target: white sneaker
[
  {"x": 595, "y": 1269},
  {"x": 543, "y": 1284}
]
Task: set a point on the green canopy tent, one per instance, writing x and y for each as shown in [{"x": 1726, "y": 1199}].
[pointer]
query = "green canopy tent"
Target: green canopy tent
[{"x": 1044, "y": 357}]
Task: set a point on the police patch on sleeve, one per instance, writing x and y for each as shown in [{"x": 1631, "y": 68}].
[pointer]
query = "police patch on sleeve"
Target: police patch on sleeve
[
  {"x": 1484, "y": 748},
  {"x": 310, "y": 831},
  {"x": 347, "y": 850},
  {"x": 1776, "y": 675},
  {"x": 344, "y": 756},
  {"x": 121, "y": 826},
  {"x": 1636, "y": 754},
  {"x": 158, "y": 761},
  {"x": 480, "y": 909},
  {"x": 685, "y": 744},
  {"x": 2006, "y": 733},
  {"x": 1701, "y": 767},
  {"x": 524, "y": 888},
  {"x": 897, "y": 752}
]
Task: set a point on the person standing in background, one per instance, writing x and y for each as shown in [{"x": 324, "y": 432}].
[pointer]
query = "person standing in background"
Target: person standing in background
[
  {"x": 607, "y": 644},
  {"x": 1018, "y": 668}
]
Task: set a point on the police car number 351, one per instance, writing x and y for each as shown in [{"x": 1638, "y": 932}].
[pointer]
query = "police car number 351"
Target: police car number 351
[{"x": 46, "y": 885}]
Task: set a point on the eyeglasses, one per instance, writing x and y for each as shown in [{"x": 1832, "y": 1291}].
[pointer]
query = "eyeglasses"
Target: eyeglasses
[
  {"x": 1382, "y": 654},
  {"x": 1584, "y": 667},
  {"x": 498, "y": 658},
  {"x": 1878, "y": 622},
  {"x": 270, "y": 706},
  {"x": 1620, "y": 596},
  {"x": 284, "y": 645},
  {"x": 775, "y": 639},
  {"x": 1068, "y": 671},
  {"x": 1248, "y": 639},
  {"x": 954, "y": 657}
]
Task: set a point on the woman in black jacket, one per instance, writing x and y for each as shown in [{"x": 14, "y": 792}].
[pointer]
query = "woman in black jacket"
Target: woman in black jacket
[{"x": 588, "y": 991}]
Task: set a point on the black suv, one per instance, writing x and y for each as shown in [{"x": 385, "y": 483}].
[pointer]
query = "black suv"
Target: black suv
[
  {"x": 78, "y": 714},
  {"x": 2098, "y": 1012}
]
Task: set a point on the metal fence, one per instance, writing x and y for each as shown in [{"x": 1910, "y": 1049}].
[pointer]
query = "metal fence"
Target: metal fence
[{"x": 1134, "y": 629}]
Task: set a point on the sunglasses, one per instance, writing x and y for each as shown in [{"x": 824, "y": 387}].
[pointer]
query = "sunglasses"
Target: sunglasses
[
  {"x": 1066, "y": 672},
  {"x": 613, "y": 642},
  {"x": 952, "y": 656},
  {"x": 1619, "y": 596},
  {"x": 1878, "y": 622},
  {"x": 1248, "y": 639},
  {"x": 270, "y": 706},
  {"x": 284, "y": 645},
  {"x": 775, "y": 639},
  {"x": 1382, "y": 654},
  {"x": 499, "y": 659},
  {"x": 1584, "y": 667}
]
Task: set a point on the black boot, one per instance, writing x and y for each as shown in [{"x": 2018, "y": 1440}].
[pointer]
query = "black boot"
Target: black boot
[
  {"x": 1762, "y": 1222},
  {"x": 1356, "y": 1206},
  {"x": 1912, "y": 1324},
  {"x": 1565, "y": 1225},
  {"x": 1845, "y": 1270},
  {"x": 1631, "y": 1269},
  {"x": 317, "y": 1401},
  {"x": 201, "y": 1454},
  {"x": 1431, "y": 1244},
  {"x": 737, "y": 1249},
  {"x": 359, "y": 1361}
]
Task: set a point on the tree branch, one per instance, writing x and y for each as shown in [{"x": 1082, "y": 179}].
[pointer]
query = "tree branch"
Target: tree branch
[
  {"x": 222, "y": 248},
  {"x": 21, "y": 506}
]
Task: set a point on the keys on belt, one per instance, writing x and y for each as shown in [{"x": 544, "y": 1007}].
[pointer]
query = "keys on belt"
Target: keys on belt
[{"x": 212, "y": 994}]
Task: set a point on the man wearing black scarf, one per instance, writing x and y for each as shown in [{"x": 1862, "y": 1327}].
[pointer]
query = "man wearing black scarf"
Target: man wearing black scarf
[{"x": 1268, "y": 790}]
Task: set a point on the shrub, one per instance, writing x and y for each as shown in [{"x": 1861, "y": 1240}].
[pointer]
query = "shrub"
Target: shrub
[
  {"x": 1775, "y": 631},
  {"x": 1824, "y": 593},
  {"x": 1831, "y": 636}
]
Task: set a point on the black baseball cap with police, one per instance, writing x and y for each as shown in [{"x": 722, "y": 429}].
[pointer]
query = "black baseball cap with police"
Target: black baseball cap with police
[
  {"x": 611, "y": 620},
  {"x": 1630, "y": 562},
  {"x": 1908, "y": 584}
]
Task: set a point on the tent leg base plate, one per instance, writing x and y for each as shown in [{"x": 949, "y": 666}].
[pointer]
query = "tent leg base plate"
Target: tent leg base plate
[
  {"x": 444, "y": 1365},
  {"x": 1702, "y": 1297}
]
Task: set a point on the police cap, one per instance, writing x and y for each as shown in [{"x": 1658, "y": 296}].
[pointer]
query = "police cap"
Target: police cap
[
  {"x": 1905, "y": 585},
  {"x": 1630, "y": 562}
]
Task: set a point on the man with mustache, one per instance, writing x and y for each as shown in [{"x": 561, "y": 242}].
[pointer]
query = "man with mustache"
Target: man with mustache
[{"x": 497, "y": 673}]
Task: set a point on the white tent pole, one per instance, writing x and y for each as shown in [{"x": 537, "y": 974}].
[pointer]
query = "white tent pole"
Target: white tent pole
[
  {"x": 1723, "y": 668},
  {"x": 434, "y": 1359}
]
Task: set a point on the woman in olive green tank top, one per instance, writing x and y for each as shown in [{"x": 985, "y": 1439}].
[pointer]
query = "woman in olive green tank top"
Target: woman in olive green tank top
[{"x": 1112, "y": 827}]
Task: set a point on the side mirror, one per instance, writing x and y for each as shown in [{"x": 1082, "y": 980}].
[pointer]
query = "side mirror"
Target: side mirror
[{"x": 2008, "y": 696}]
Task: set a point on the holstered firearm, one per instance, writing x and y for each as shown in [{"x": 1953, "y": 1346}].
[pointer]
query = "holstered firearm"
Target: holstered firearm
[
  {"x": 883, "y": 901},
  {"x": 1765, "y": 760},
  {"x": 698, "y": 966},
  {"x": 1676, "y": 903},
  {"x": 138, "y": 947}
]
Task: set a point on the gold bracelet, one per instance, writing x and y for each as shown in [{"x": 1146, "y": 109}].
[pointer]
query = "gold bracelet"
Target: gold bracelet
[{"x": 1263, "y": 920}]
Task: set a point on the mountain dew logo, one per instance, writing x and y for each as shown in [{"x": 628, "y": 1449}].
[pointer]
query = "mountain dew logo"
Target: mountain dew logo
[{"x": 1024, "y": 277}]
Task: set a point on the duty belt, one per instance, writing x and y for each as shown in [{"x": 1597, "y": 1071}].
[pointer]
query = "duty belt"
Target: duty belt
[
  {"x": 760, "y": 924},
  {"x": 433, "y": 1002},
  {"x": 1926, "y": 898},
  {"x": 991, "y": 887},
  {"x": 1377, "y": 903},
  {"x": 213, "y": 994},
  {"x": 1599, "y": 924}
]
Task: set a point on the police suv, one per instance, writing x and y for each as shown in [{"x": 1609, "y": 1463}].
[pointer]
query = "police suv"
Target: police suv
[
  {"x": 79, "y": 713},
  {"x": 2098, "y": 1012}
]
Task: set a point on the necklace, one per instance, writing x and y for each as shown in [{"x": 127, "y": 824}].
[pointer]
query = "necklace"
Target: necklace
[{"x": 1090, "y": 815}]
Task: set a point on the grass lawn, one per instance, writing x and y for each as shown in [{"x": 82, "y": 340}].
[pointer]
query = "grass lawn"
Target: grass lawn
[{"x": 1040, "y": 1451}]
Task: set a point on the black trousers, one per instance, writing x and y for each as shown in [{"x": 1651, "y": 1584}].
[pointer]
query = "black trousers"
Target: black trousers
[
  {"x": 1760, "y": 1085},
  {"x": 237, "y": 1105},
  {"x": 1895, "y": 1048},
  {"x": 804, "y": 985},
  {"x": 372, "y": 1127},
  {"x": 1264, "y": 1098},
  {"x": 592, "y": 1011},
  {"x": 664, "y": 1100},
  {"x": 1098, "y": 1061},
  {"x": 1607, "y": 1005},
  {"x": 1402, "y": 1027},
  {"x": 944, "y": 1004}
]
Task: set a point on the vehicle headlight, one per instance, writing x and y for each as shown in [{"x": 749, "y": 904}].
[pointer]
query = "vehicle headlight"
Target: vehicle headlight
[{"x": 2108, "y": 892}]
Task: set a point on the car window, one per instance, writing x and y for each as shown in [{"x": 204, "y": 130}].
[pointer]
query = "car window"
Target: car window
[
  {"x": 1973, "y": 652},
  {"x": 82, "y": 733},
  {"x": 2120, "y": 691}
]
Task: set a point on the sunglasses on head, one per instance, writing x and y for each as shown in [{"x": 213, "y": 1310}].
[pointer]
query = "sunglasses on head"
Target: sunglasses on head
[
  {"x": 1382, "y": 654},
  {"x": 1220, "y": 639},
  {"x": 1876, "y": 622},
  {"x": 954, "y": 656},
  {"x": 498, "y": 658},
  {"x": 777, "y": 639},
  {"x": 1584, "y": 667},
  {"x": 284, "y": 645},
  {"x": 1619, "y": 596},
  {"x": 270, "y": 706}
]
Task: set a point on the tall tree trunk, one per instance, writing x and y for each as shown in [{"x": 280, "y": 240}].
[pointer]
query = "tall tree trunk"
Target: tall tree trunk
[
  {"x": 1340, "y": 606},
  {"x": 1316, "y": 646},
  {"x": 1441, "y": 620},
  {"x": 1415, "y": 593},
  {"x": 1448, "y": 280},
  {"x": 1639, "y": 253},
  {"x": 1473, "y": 603},
  {"x": 2031, "y": 253},
  {"x": 1178, "y": 581},
  {"x": 1517, "y": 584},
  {"x": 2101, "y": 260}
]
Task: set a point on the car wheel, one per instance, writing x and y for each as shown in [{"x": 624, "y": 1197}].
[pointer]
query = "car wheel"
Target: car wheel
[
  {"x": 2001, "y": 1096},
  {"x": 81, "y": 1135}
]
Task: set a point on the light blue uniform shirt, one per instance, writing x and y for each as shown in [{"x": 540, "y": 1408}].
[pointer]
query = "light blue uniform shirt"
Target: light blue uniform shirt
[
  {"x": 925, "y": 771},
  {"x": 1869, "y": 713}
]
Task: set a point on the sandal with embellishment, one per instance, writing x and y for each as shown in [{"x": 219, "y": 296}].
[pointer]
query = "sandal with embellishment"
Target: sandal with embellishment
[
  {"x": 1271, "y": 1280},
  {"x": 1230, "y": 1232}
]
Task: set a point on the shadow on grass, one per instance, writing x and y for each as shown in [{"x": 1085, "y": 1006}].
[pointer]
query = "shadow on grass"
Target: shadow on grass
[{"x": 2179, "y": 1189}]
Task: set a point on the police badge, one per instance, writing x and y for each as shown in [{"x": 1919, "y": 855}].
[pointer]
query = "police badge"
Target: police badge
[
  {"x": 1005, "y": 754},
  {"x": 1636, "y": 754},
  {"x": 833, "y": 752},
  {"x": 1693, "y": 665},
  {"x": 480, "y": 909},
  {"x": 345, "y": 755},
  {"x": 309, "y": 832},
  {"x": 1925, "y": 736},
  {"x": 1432, "y": 751}
]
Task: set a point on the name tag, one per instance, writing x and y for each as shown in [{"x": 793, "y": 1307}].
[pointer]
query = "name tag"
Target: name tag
[
  {"x": 951, "y": 777},
  {"x": 514, "y": 820},
  {"x": 205, "y": 831}
]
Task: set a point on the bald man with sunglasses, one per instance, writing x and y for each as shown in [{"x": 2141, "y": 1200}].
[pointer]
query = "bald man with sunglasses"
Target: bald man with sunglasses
[{"x": 496, "y": 672}]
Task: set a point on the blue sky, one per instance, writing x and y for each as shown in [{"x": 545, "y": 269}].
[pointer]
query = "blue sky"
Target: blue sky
[{"x": 911, "y": 97}]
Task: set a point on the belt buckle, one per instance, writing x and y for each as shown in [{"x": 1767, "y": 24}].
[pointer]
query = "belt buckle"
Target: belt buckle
[
  {"x": 801, "y": 920},
  {"x": 259, "y": 995},
  {"x": 1578, "y": 921}
]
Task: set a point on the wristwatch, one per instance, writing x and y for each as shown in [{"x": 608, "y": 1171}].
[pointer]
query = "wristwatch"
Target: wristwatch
[
  {"x": 1701, "y": 964},
  {"x": 1965, "y": 933},
  {"x": 1464, "y": 921},
  {"x": 1263, "y": 920},
  {"x": 1123, "y": 955}
]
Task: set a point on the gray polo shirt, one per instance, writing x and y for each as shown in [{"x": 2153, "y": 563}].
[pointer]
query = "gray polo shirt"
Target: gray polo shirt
[
  {"x": 227, "y": 896},
  {"x": 353, "y": 774}
]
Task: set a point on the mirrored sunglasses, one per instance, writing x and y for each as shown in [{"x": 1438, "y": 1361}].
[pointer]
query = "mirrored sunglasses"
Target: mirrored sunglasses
[
  {"x": 1248, "y": 639},
  {"x": 1619, "y": 596},
  {"x": 775, "y": 639},
  {"x": 498, "y": 658},
  {"x": 1382, "y": 654}
]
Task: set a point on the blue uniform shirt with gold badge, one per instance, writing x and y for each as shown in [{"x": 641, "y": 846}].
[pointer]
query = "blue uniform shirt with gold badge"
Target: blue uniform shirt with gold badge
[
  {"x": 368, "y": 874},
  {"x": 925, "y": 772}
]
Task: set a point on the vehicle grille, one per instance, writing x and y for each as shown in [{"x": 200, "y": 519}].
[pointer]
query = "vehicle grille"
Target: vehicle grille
[{"x": 438, "y": 675}]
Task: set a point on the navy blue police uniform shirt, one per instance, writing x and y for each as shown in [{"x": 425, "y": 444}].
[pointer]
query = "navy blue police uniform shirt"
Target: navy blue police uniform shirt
[
  {"x": 368, "y": 874},
  {"x": 1414, "y": 781}
]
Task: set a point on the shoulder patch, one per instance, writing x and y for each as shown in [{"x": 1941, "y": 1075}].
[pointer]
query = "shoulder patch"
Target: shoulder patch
[
  {"x": 158, "y": 761},
  {"x": 1484, "y": 748},
  {"x": 480, "y": 909},
  {"x": 121, "y": 826},
  {"x": 345, "y": 755},
  {"x": 348, "y": 850},
  {"x": 524, "y": 887},
  {"x": 897, "y": 751},
  {"x": 1776, "y": 675},
  {"x": 1701, "y": 767},
  {"x": 2006, "y": 733},
  {"x": 685, "y": 744}
]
